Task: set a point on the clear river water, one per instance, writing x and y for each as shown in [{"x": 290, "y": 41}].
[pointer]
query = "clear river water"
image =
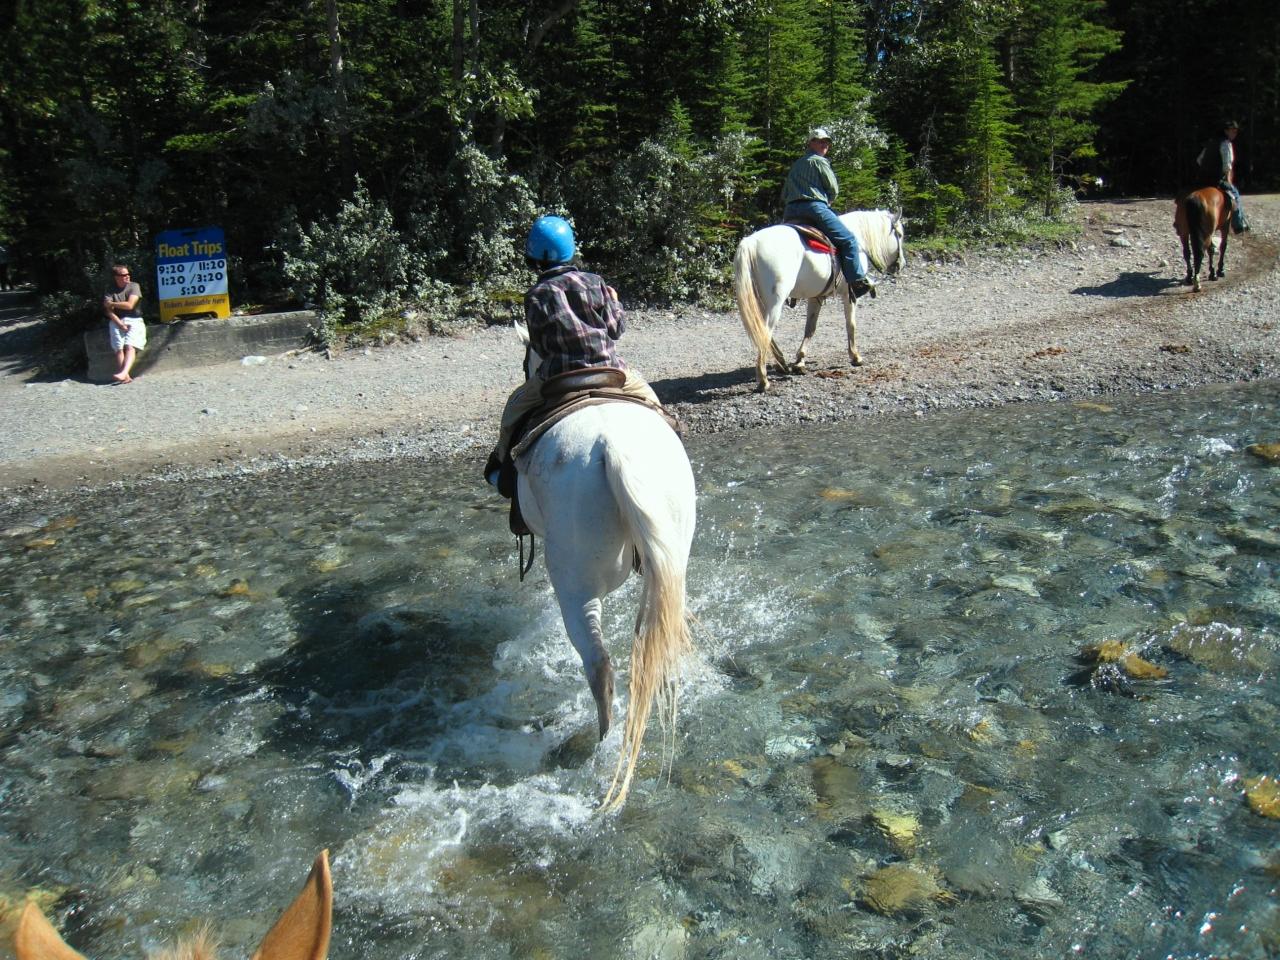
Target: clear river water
[{"x": 979, "y": 684}]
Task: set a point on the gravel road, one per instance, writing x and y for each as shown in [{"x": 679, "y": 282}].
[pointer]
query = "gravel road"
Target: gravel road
[{"x": 1104, "y": 315}]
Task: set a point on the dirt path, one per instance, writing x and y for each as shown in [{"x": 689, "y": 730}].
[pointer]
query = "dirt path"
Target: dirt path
[{"x": 1105, "y": 316}]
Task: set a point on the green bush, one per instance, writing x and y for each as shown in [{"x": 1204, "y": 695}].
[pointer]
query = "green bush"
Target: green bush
[
  {"x": 659, "y": 224},
  {"x": 354, "y": 267}
]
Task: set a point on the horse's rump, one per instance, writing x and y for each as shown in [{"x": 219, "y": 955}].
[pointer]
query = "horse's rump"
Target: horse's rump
[{"x": 1200, "y": 212}]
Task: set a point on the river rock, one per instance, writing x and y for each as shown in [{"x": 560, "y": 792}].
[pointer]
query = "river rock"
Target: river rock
[
  {"x": 1263, "y": 796},
  {"x": 1269, "y": 452},
  {"x": 1221, "y": 648},
  {"x": 903, "y": 888}
]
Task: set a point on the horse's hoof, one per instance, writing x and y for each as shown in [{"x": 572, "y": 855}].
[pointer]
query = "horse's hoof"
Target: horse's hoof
[
  {"x": 601, "y": 683},
  {"x": 799, "y": 369},
  {"x": 855, "y": 360},
  {"x": 762, "y": 387}
]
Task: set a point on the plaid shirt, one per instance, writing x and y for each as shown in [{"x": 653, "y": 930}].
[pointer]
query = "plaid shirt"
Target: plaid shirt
[
  {"x": 811, "y": 178},
  {"x": 573, "y": 321}
]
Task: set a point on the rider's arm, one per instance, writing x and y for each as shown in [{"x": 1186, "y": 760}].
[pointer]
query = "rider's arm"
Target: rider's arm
[
  {"x": 829, "y": 183},
  {"x": 614, "y": 315}
]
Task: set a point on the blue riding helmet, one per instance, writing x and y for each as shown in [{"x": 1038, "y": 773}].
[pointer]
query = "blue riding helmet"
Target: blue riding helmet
[{"x": 550, "y": 241}]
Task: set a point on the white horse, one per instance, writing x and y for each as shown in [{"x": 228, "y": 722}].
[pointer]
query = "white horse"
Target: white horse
[
  {"x": 773, "y": 265},
  {"x": 605, "y": 485}
]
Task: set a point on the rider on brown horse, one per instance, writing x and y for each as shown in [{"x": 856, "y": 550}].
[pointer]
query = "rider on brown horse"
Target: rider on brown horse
[{"x": 1217, "y": 163}]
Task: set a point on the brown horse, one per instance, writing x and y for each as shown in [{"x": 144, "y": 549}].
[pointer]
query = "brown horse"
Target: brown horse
[
  {"x": 301, "y": 932},
  {"x": 1197, "y": 217}
]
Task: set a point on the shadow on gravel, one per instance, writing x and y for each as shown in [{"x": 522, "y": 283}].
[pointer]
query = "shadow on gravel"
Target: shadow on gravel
[
  {"x": 703, "y": 388},
  {"x": 1129, "y": 285},
  {"x": 27, "y": 348}
]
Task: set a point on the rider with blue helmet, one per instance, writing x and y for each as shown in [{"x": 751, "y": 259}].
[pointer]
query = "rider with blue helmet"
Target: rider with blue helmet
[{"x": 574, "y": 319}]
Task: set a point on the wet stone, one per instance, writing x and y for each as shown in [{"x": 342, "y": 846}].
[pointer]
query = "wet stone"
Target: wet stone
[
  {"x": 1039, "y": 899},
  {"x": 1254, "y": 537},
  {"x": 902, "y": 888},
  {"x": 1222, "y": 648},
  {"x": 1270, "y": 452},
  {"x": 144, "y": 782},
  {"x": 1263, "y": 796},
  {"x": 899, "y": 828}
]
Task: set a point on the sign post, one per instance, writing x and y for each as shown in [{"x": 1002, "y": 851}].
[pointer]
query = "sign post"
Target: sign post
[{"x": 191, "y": 274}]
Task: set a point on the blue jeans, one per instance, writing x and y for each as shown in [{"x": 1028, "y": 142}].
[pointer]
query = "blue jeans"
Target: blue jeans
[
  {"x": 1237, "y": 212},
  {"x": 818, "y": 214}
]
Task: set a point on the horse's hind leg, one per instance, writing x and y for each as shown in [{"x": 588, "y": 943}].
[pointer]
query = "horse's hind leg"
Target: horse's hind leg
[
  {"x": 772, "y": 316},
  {"x": 811, "y": 310},
  {"x": 1186, "y": 256},
  {"x": 582, "y": 622},
  {"x": 1222, "y": 252}
]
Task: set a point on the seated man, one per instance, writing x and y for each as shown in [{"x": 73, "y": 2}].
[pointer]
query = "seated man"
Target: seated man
[
  {"x": 808, "y": 193},
  {"x": 125, "y": 327},
  {"x": 574, "y": 319}
]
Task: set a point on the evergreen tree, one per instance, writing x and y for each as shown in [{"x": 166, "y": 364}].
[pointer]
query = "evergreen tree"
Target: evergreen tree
[
  {"x": 989, "y": 168},
  {"x": 841, "y": 81},
  {"x": 780, "y": 52},
  {"x": 1057, "y": 45}
]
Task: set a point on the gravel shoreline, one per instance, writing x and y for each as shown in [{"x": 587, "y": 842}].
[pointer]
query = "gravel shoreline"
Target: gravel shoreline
[{"x": 1104, "y": 316}]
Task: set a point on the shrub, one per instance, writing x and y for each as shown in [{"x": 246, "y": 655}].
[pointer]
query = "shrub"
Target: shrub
[
  {"x": 354, "y": 267},
  {"x": 659, "y": 223}
]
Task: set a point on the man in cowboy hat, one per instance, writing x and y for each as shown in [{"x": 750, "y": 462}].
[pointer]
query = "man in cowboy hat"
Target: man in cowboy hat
[
  {"x": 808, "y": 193},
  {"x": 1217, "y": 162}
]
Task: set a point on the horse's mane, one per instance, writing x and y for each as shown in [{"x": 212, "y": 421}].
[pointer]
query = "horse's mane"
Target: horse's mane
[{"x": 875, "y": 232}]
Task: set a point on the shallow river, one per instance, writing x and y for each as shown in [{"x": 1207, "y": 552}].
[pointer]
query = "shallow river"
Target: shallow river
[{"x": 895, "y": 739}]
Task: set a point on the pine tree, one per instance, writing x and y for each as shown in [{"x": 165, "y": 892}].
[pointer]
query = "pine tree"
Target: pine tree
[
  {"x": 989, "y": 168},
  {"x": 1057, "y": 43}
]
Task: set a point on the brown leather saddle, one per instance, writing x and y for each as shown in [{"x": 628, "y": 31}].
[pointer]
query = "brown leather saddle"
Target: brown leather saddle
[
  {"x": 818, "y": 242},
  {"x": 814, "y": 239}
]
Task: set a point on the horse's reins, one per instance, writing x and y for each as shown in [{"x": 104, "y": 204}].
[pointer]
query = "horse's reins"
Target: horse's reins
[{"x": 525, "y": 568}]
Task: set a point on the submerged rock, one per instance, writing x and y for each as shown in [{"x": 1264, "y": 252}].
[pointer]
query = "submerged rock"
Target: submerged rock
[
  {"x": 902, "y": 888},
  {"x": 1038, "y": 898},
  {"x": 1221, "y": 648},
  {"x": 901, "y": 829},
  {"x": 1117, "y": 653},
  {"x": 1263, "y": 796},
  {"x": 1250, "y": 536},
  {"x": 1269, "y": 452}
]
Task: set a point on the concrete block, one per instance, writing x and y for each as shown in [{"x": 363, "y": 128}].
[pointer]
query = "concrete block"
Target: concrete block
[
  {"x": 191, "y": 343},
  {"x": 102, "y": 359}
]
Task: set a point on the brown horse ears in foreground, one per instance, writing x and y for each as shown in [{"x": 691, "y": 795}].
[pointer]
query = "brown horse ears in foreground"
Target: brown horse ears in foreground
[{"x": 301, "y": 933}]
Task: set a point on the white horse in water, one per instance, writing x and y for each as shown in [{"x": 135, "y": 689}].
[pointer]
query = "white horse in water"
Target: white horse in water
[
  {"x": 773, "y": 265},
  {"x": 607, "y": 484}
]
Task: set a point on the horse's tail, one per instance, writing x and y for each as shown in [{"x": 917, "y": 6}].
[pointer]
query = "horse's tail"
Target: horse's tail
[
  {"x": 1199, "y": 223},
  {"x": 662, "y": 626},
  {"x": 744, "y": 291}
]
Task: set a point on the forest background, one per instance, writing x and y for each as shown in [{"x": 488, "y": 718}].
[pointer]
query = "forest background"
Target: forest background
[{"x": 382, "y": 159}]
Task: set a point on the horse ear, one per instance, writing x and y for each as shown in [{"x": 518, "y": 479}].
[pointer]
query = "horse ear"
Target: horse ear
[
  {"x": 302, "y": 932},
  {"x": 35, "y": 938},
  {"x": 522, "y": 332}
]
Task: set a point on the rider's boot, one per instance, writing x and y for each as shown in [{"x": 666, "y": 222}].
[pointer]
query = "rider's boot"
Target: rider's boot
[{"x": 860, "y": 287}]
